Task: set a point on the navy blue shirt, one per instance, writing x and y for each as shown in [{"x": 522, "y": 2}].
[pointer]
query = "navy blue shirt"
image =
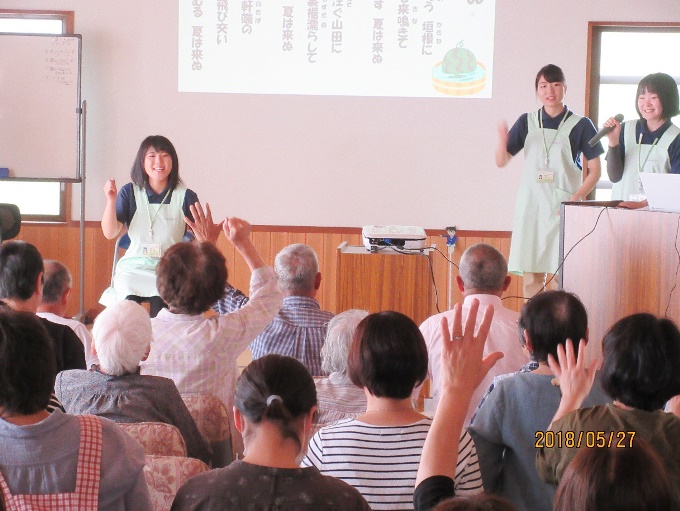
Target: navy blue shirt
[
  {"x": 578, "y": 137},
  {"x": 126, "y": 205},
  {"x": 648, "y": 138}
]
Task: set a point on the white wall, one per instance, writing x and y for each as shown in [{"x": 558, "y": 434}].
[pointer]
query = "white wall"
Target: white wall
[{"x": 321, "y": 161}]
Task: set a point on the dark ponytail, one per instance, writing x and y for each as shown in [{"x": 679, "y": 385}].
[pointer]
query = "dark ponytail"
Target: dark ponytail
[{"x": 276, "y": 388}]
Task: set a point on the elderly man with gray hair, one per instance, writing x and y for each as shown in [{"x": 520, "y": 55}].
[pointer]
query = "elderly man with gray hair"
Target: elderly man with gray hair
[
  {"x": 55, "y": 298},
  {"x": 337, "y": 397},
  {"x": 300, "y": 327},
  {"x": 482, "y": 275}
]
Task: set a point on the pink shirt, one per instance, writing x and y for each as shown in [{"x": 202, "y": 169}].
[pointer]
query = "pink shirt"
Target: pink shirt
[
  {"x": 503, "y": 336},
  {"x": 200, "y": 353}
]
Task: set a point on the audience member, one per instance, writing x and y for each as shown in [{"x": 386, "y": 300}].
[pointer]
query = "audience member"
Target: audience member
[
  {"x": 199, "y": 353},
  {"x": 338, "y": 397},
  {"x": 640, "y": 372},
  {"x": 506, "y": 425},
  {"x": 616, "y": 479},
  {"x": 275, "y": 403},
  {"x": 300, "y": 327},
  {"x": 116, "y": 390},
  {"x": 55, "y": 298},
  {"x": 49, "y": 460},
  {"x": 21, "y": 285},
  {"x": 462, "y": 368},
  {"x": 378, "y": 452},
  {"x": 483, "y": 275}
]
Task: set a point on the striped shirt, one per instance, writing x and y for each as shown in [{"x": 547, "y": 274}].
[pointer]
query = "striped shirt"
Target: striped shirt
[{"x": 382, "y": 461}]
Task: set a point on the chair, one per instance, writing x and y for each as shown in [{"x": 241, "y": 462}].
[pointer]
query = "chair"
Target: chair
[
  {"x": 157, "y": 437},
  {"x": 212, "y": 420},
  {"x": 166, "y": 474}
]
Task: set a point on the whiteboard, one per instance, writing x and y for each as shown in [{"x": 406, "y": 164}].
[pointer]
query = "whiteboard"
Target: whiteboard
[{"x": 40, "y": 106}]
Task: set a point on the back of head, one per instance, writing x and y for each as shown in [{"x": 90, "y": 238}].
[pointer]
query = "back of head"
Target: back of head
[
  {"x": 481, "y": 502},
  {"x": 483, "y": 269},
  {"x": 641, "y": 366},
  {"x": 632, "y": 478},
  {"x": 335, "y": 349},
  {"x": 191, "y": 277},
  {"x": 57, "y": 281},
  {"x": 550, "y": 318},
  {"x": 20, "y": 266},
  {"x": 28, "y": 364},
  {"x": 278, "y": 389},
  {"x": 388, "y": 355},
  {"x": 665, "y": 87},
  {"x": 122, "y": 336},
  {"x": 297, "y": 266},
  {"x": 158, "y": 142}
]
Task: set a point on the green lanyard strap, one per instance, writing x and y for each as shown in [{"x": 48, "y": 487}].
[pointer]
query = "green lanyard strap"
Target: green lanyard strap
[{"x": 547, "y": 147}]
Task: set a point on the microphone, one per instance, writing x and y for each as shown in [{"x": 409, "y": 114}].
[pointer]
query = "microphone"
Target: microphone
[{"x": 603, "y": 132}]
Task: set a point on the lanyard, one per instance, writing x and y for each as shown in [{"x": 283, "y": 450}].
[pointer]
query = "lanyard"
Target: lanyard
[
  {"x": 547, "y": 147},
  {"x": 148, "y": 211},
  {"x": 641, "y": 166}
]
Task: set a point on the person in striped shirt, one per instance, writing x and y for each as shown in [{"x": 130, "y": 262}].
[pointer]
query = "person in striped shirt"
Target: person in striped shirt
[{"x": 378, "y": 452}]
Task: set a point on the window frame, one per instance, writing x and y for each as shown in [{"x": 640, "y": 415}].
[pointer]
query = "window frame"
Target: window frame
[{"x": 65, "y": 189}]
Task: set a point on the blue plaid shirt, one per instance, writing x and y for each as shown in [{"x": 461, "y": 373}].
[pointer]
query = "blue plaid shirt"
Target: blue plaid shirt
[{"x": 298, "y": 331}]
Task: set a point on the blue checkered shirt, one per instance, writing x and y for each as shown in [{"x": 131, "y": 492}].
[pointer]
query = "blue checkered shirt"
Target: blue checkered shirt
[{"x": 298, "y": 331}]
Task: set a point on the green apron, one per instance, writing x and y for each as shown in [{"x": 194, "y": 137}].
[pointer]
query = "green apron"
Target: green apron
[
  {"x": 642, "y": 158},
  {"x": 535, "y": 233},
  {"x": 153, "y": 229}
]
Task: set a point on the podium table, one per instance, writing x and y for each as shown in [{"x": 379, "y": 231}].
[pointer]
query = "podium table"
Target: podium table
[
  {"x": 385, "y": 280},
  {"x": 628, "y": 264}
]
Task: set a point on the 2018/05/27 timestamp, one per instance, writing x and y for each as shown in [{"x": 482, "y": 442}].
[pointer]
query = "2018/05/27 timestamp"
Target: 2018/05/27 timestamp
[{"x": 589, "y": 439}]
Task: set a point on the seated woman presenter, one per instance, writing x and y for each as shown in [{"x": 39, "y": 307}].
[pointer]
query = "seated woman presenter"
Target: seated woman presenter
[
  {"x": 378, "y": 452},
  {"x": 152, "y": 208},
  {"x": 275, "y": 403},
  {"x": 555, "y": 140},
  {"x": 650, "y": 144}
]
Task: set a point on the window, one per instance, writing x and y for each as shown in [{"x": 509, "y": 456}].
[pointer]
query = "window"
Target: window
[
  {"x": 37, "y": 200},
  {"x": 620, "y": 56}
]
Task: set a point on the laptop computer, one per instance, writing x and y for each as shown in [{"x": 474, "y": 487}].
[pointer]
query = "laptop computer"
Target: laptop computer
[{"x": 662, "y": 191}]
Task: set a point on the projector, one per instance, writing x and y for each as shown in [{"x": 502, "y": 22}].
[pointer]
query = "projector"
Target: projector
[{"x": 396, "y": 237}]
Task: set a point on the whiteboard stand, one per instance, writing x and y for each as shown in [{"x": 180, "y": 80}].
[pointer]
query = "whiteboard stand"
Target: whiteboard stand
[{"x": 81, "y": 175}]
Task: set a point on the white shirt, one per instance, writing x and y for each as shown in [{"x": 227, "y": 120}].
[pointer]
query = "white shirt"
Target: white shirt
[
  {"x": 81, "y": 331},
  {"x": 503, "y": 336}
]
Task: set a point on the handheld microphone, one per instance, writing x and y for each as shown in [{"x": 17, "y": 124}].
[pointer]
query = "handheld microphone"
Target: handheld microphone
[{"x": 603, "y": 132}]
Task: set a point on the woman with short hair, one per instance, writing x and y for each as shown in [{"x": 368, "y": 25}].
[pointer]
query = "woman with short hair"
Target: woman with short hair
[{"x": 379, "y": 451}]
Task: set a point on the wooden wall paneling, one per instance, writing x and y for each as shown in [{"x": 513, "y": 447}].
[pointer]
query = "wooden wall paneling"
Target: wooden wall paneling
[
  {"x": 316, "y": 241},
  {"x": 279, "y": 241},
  {"x": 61, "y": 242},
  {"x": 328, "y": 263}
]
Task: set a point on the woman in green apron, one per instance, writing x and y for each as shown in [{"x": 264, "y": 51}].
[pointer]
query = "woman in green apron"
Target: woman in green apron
[
  {"x": 555, "y": 143},
  {"x": 650, "y": 144},
  {"x": 152, "y": 208}
]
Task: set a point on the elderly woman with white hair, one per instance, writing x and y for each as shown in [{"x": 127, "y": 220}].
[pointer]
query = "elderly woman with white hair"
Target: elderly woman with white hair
[
  {"x": 114, "y": 389},
  {"x": 338, "y": 398}
]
